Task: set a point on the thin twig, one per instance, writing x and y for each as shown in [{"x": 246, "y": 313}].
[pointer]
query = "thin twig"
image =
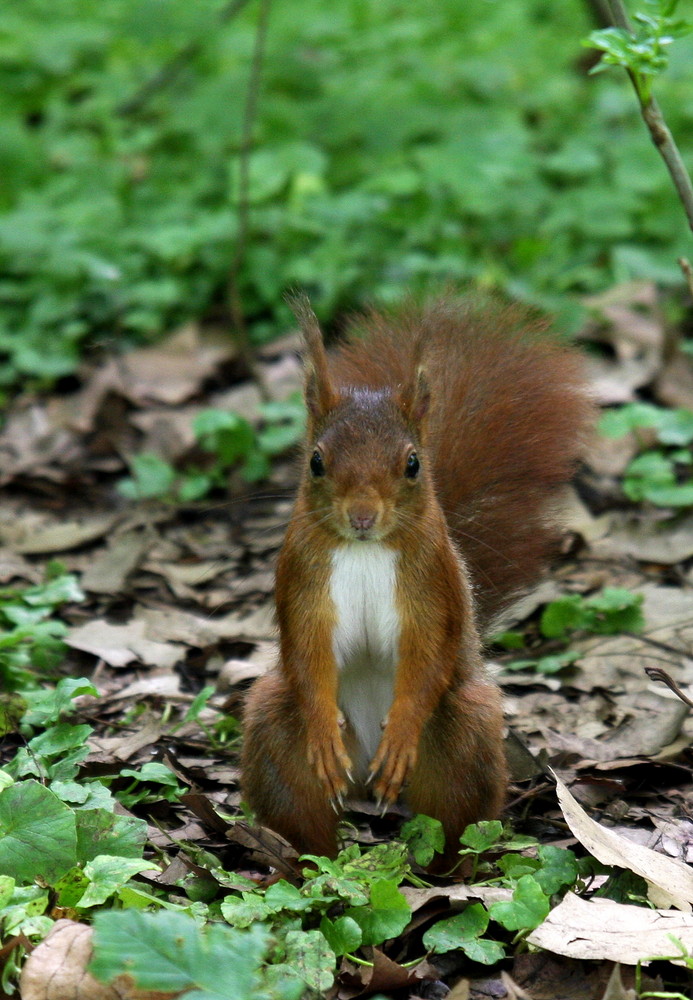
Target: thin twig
[
  {"x": 659, "y": 131},
  {"x": 250, "y": 113},
  {"x": 687, "y": 270},
  {"x": 167, "y": 74}
]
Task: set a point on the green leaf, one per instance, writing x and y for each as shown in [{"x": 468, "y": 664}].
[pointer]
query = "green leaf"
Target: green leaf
[
  {"x": 284, "y": 896},
  {"x": 57, "y": 591},
  {"x": 310, "y": 956},
  {"x": 7, "y": 884},
  {"x": 527, "y": 909},
  {"x": 37, "y": 833},
  {"x": 100, "y": 831},
  {"x": 386, "y": 916},
  {"x": 60, "y": 739},
  {"x": 168, "y": 952},
  {"x": 483, "y": 951},
  {"x": 617, "y": 610},
  {"x": 46, "y": 706},
  {"x": 449, "y": 934},
  {"x": 552, "y": 663},
  {"x": 153, "y": 771},
  {"x": 566, "y": 614},
  {"x": 152, "y": 478},
  {"x": 479, "y": 837},
  {"x": 558, "y": 868},
  {"x": 243, "y": 912},
  {"x": 425, "y": 837},
  {"x": 343, "y": 935},
  {"x": 107, "y": 874}
]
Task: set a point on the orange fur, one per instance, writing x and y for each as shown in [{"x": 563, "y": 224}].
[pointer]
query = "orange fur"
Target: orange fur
[{"x": 438, "y": 437}]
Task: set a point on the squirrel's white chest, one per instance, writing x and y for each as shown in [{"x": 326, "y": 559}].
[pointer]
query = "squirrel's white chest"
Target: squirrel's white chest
[{"x": 365, "y": 640}]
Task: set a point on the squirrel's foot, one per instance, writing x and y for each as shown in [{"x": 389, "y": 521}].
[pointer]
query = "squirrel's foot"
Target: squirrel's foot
[
  {"x": 331, "y": 764},
  {"x": 392, "y": 765}
]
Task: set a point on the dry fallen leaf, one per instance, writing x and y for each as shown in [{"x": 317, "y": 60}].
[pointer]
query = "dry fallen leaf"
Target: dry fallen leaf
[
  {"x": 601, "y": 929},
  {"x": 37, "y": 533},
  {"x": 119, "y": 645},
  {"x": 670, "y": 882}
]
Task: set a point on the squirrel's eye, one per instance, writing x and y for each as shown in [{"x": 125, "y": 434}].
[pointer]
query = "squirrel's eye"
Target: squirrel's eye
[
  {"x": 317, "y": 466},
  {"x": 412, "y": 467}
]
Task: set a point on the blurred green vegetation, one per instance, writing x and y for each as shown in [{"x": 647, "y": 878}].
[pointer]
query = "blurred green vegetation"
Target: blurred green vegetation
[{"x": 397, "y": 145}]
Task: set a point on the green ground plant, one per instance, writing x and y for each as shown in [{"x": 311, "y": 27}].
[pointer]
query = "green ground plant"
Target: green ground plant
[
  {"x": 608, "y": 612},
  {"x": 231, "y": 442},
  {"x": 69, "y": 850},
  {"x": 393, "y": 148},
  {"x": 663, "y": 475}
]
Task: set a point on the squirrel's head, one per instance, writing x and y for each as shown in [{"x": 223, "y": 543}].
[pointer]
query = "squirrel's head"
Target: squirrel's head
[{"x": 365, "y": 470}]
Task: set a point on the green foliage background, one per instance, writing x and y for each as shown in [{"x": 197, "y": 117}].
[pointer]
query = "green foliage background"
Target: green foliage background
[{"x": 397, "y": 145}]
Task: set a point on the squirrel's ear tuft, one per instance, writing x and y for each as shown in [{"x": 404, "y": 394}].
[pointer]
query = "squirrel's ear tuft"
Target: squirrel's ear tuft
[
  {"x": 415, "y": 397},
  {"x": 320, "y": 394}
]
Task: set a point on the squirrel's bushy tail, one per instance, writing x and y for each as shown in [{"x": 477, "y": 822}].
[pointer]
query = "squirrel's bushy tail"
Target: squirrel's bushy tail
[{"x": 509, "y": 419}]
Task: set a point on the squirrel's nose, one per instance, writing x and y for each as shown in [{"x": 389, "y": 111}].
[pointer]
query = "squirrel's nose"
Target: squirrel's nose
[{"x": 361, "y": 521}]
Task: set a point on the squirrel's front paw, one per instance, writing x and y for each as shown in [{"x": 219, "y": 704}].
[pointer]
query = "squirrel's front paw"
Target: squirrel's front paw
[
  {"x": 331, "y": 764},
  {"x": 392, "y": 764}
]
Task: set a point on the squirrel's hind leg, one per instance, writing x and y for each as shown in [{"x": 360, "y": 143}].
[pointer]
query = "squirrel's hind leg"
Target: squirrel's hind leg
[
  {"x": 277, "y": 780},
  {"x": 460, "y": 776}
]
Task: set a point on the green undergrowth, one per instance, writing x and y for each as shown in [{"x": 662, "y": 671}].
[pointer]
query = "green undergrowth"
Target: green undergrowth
[
  {"x": 226, "y": 441},
  {"x": 607, "y": 612},
  {"x": 67, "y": 849},
  {"x": 395, "y": 147},
  {"x": 662, "y": 473}
]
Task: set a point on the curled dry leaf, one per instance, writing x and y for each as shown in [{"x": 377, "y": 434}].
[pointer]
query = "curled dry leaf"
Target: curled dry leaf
[
  {"x": 57, "y": 969},
  {"x": 601, "y": 929},
  {"x": 669, "y": 881}
]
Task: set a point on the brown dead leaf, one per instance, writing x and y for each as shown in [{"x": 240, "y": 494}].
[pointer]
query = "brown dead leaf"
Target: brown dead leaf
[
  {"x": 631, "y": 324},
  {"x": 601, "y": 929},
  {"x": 674, "y": 385},
  {"x": 651, "y": 540},
  {"x": 170, "y": 372},
  {"x": 383, "y": 976},
  {"x": 670, "y": 882},
  {"x": 36, "y": 533},
  {"x": 107, "y": 573},
  {"x": 119, "y": 645},
  {"x": 13, "y": 568},
  {"x": 615, "y": 990},
  {"x": 455, "y": 894}
]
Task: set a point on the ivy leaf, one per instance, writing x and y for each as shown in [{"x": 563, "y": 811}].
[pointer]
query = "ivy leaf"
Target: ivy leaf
[
  {"x": 566, "y": 614},
  {"x": 343, "y": 934},
  {"x": 310, "y": 956},
  {"x": 527, "y": 909},
  {"x": 107, "y": 874},
  {"x": 449, "y": 934},
  {"x": 251, "y": 908},
  {"x": 284, "y": 896},
  {"x": 479, "y": 837},
  {"x": 169, "y": 952},
  {"x": 425, "y": 837},
  {"x": 386, "y": 915},
  {"x": 558, "y": 868},
  {"x": 100, "y": 831},
  {"x": 152, "y": 478},
  {"x": 38, "y": 839}
]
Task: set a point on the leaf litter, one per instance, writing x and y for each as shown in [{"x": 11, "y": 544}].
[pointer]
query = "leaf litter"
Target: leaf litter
[{"x": 179, "y": 599}]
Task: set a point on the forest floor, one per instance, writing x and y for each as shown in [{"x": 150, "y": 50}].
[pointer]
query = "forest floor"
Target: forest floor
[{"x": 178, "y": 597}]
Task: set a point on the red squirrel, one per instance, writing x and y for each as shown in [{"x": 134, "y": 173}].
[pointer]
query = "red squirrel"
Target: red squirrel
[{"x": 437, "y": 440}]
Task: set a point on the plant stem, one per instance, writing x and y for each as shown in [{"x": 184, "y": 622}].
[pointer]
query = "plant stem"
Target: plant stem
[
  {"x": 167, "y": 74},
  {"x": 234, "y": 295},
  {"x": 658, "y": 128}
]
